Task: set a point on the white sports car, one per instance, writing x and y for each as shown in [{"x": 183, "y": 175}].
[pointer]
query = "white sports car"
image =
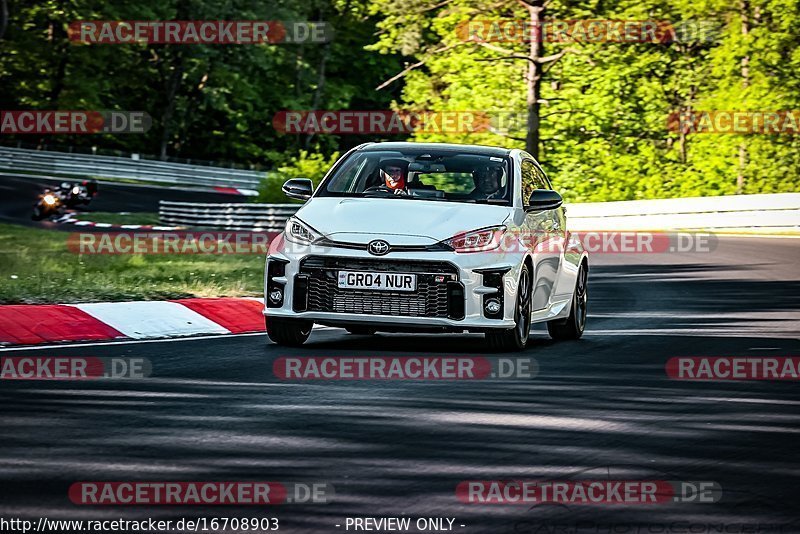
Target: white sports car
[{"x": 410, "y": 237}]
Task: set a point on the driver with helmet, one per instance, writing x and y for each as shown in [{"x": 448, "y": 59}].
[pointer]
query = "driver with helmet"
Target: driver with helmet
[{"x": 393, "y": 172}]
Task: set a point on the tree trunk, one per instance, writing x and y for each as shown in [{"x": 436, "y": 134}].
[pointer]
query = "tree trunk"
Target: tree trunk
[
  {"x": 684, "y": 138},
  {"x": 173, "y": 84},
  {"x": 534, "y": 78},
  {"x": 60, "y": 60},
  {"x": 3, "y": 17},
  {"x": 174, "y": 63},
  {"x": 318, "y": 92},
  {"x": 59, "y": 76},
  {"x": 744, "y": 7}
]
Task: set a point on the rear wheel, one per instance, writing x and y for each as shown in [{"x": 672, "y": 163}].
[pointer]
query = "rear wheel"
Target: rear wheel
[
  {"x": 516, "y": 338},
  {"x": 361, "y": 330},
  {"x": 288, "y": 332},
  {"x": 573, "y": 326}
]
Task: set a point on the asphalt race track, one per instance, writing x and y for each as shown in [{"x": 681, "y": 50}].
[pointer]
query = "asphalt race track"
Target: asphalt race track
[
  {"x": 600, "y": 408},
  {"x": 18, "y": 194}
]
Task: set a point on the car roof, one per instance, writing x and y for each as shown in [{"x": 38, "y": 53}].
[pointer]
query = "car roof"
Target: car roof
[{"x": 472, "y": 149}]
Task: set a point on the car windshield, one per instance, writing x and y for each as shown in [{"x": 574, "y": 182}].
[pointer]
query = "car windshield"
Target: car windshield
[{"x": 419, "y": 174}]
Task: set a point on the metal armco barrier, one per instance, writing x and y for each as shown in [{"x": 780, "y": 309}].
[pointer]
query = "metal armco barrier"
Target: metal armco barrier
[
  {"x": 777, "y": 213},
  {"x": 257, "y": 217},
  {"x": 757, "y": 214},
  {"x": 86, "y": 165}
]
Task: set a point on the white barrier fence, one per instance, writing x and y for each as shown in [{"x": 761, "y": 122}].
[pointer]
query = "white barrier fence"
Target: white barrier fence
[
  {"x": 58, "y": 164},
  {"x": 257, "y": 217},
  {"x": 758, "y": 214}
]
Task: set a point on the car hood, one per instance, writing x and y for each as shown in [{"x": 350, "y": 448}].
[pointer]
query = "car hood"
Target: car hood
[{"x": 399, "y": 221}]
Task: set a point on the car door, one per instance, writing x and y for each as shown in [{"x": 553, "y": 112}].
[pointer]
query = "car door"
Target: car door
[{"x": 544, "y": 236}]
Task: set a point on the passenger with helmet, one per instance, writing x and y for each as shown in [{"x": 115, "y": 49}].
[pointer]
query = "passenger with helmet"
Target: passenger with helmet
[{"x": 488, "y": 183}]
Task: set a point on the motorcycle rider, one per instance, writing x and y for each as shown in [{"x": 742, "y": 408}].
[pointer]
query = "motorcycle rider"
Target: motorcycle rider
[{"x": 91, "y": 187}]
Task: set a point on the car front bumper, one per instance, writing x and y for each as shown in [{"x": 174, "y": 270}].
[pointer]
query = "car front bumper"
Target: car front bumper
[{"x": 471, "y": 271}]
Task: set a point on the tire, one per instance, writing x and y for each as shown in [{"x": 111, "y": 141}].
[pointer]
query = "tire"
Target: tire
[
  {"x": 573, "y": 326},
  {"x": 361, "y": 330},
  {"x": 515, "y": 339},
  {"x": 288, "y": 332}
]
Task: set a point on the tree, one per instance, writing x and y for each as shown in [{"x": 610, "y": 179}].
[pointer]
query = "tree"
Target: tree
[{"x": 3, "y": 17}]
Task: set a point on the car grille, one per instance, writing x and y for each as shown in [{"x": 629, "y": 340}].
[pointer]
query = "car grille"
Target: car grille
[{"x": 319, "y": 275}]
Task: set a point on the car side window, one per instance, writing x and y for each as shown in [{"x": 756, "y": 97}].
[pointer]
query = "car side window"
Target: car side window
[
  {"x": 532, "y": 178},
  {"x": 349, "y": 176},
  {"x": 547, "y": 183}
]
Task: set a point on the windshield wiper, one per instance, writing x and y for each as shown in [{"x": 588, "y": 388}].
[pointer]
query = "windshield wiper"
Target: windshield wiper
[
  {"x": 385, "y": 194},
  {"x": 490, "y": 201}
]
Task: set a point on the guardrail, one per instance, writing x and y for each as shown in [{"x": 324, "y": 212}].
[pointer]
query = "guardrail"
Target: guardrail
[
  {"x": 64, "y": 164},
  {"x": 255, "y": 217},
  {"x": 760, "y": 214}
]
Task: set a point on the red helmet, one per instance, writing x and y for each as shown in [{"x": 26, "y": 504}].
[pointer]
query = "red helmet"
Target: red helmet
[{"x": 394, "y": 173}]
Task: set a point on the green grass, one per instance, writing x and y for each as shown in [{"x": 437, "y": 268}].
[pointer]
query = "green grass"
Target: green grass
[
  {"x": 37, "y": 267},
  {"x": 119, "y": 218}
]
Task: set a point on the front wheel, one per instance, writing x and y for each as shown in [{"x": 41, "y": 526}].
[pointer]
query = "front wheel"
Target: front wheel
[
  {"x": 516, "y": 338},
  {"x": 573, "y": 326},
  {"x": 37, "y": 214},
  {"x": 288, "y": 332}
]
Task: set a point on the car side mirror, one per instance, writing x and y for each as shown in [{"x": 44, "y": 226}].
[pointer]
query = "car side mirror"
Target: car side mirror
[
  {"x": 299, "y": 188},
  {"x": 544, "y": 199}
]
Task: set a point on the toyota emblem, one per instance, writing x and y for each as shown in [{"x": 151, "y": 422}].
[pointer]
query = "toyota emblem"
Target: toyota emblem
[{"x": 378, "y": 247}]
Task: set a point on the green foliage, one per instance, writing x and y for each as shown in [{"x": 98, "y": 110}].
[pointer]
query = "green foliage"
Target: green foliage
[
  {"x": 604, "y": 106},
  {"x": 305, "y": 165},
  {"x": 207, "y": 102}
]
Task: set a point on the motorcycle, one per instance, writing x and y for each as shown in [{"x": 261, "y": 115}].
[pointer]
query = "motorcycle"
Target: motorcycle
[
  {"x": 78, "y": 194},
  {"x": 54, "y": 202},
  {"x": 49, "y": 204}
]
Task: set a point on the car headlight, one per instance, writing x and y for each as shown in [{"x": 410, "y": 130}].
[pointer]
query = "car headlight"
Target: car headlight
[
  {"x": 299, "y": 232},
  {"x": 49, "y": 200},
  {"x": 477, "y": 240}
]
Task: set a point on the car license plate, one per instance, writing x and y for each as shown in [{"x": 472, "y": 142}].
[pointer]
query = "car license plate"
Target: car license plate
[{"x": 377, "y": 281}]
